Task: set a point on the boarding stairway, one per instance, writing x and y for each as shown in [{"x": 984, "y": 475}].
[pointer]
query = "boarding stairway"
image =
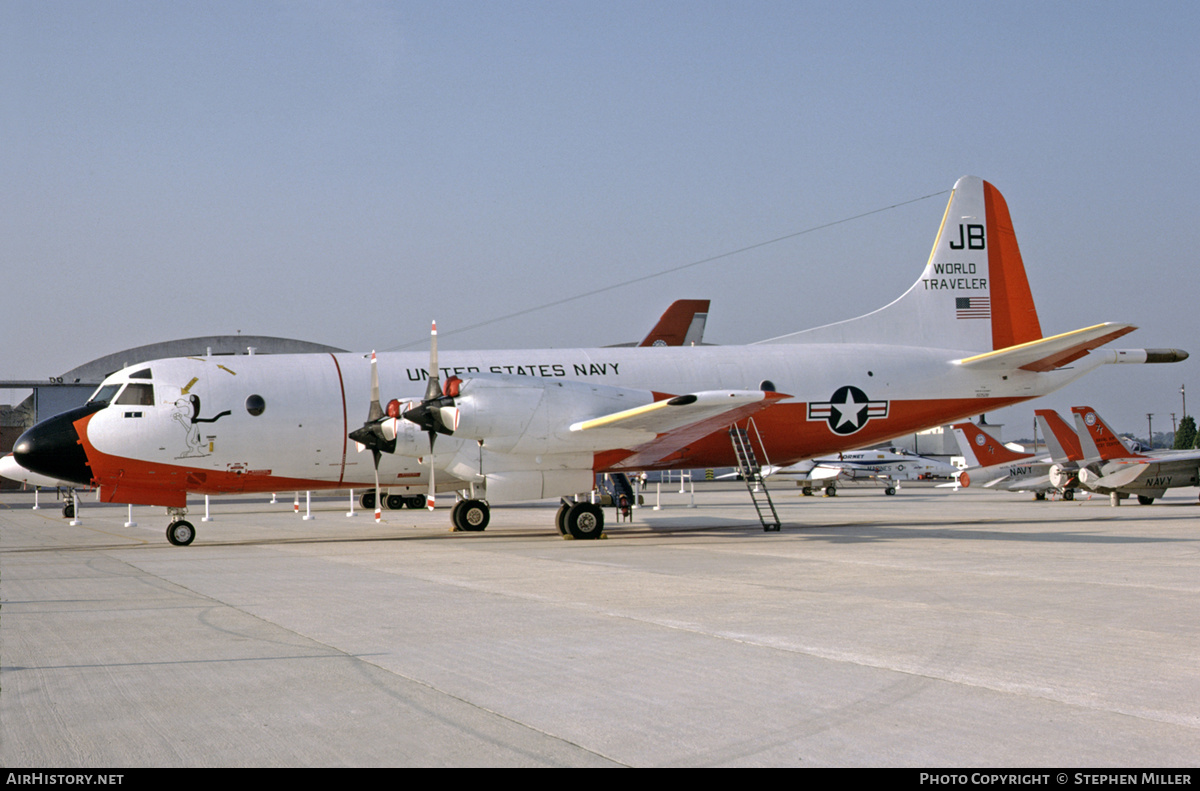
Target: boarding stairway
[
  {"x": 751, "y": 472},
  {"x": 617, "y": 486}
]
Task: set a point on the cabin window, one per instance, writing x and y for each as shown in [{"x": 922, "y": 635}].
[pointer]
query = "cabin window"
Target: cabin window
[
  {"x": 255, "y": 405},
  {"x": 137, "y": 395}
]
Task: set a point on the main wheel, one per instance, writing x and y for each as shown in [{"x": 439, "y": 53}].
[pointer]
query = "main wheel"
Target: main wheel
[
  {"x": 1144, "y": 500},
  {"x": 560, "y": 519},
  {"x": 181, "y": 533},
  {"x": 69, "y": 511},
  {"x": 890, "y": 491},
  {"x": 471, "y": 516},
  {"x": 1068, "y": 494},
  {"x": 831, "y": 491},
  {"x": 367, "y": 501},
  {"x": 395, "y": 502},
  {"x": 415, "y": 501},
  {"x": 585, "y": 521}
]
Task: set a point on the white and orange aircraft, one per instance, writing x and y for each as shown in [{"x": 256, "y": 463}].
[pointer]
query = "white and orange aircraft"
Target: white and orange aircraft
[
  {"x": 1109, "y": 467},
  {"x": 532, "y": 424},
  {"x": 993, "y": 465}
]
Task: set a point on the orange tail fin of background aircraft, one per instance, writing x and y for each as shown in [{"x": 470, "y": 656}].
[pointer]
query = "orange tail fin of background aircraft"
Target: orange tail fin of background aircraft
[
  {"x": 983, "y": 450},
  {"x": 681, "y": 325},
  {"x": 1097, "y": 438},
  {"x": 1060, "y": 438}
]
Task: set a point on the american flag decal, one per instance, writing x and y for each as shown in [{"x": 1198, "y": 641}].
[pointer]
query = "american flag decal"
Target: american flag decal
[{"x": 973, "y": 307}]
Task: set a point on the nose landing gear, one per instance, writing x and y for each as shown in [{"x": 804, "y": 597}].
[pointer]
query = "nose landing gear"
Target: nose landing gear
[{"x": 180, "y": 532}]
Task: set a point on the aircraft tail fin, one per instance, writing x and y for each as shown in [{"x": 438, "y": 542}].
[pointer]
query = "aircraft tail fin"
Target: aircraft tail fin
[
  {"x": 1096, "y": 438},
  {"x": 973, "y": 293},
  {"x": 1060, "y": 438},
  {"x": 981, "y": 449},
  {"x": 681, "y": 325}
]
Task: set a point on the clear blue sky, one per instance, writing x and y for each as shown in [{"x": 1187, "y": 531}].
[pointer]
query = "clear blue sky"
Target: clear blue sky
[{"x": 342, "y": 172}]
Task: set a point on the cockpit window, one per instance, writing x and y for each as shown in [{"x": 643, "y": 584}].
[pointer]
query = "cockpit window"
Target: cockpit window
[
  {"x": 137, "y": 395},
  {"x": 105, "y": 393},
  {"x": 142, "y": 374}
]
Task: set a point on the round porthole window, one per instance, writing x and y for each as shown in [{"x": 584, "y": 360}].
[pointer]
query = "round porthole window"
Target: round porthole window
[{"x": 255, "y": 405}]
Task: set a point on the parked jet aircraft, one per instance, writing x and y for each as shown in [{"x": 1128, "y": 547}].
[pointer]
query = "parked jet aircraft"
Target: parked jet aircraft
[
  {"x": 1111, "y": 468},
  {"x": 530, "y": 424},
  {"x": 885, "y": 466},
  {"x": 993, "y": 465}
]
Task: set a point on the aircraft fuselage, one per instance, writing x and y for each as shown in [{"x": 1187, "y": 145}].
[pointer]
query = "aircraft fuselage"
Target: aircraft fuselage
[{"x": 192, "y": 427}]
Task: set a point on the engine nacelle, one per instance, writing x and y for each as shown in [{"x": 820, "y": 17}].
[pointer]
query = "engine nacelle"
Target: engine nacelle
[
  {"x": 1062, "y": 477},
  {"x": 527, "y": 415}
]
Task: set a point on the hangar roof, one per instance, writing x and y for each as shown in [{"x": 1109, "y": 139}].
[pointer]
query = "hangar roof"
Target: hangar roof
[{"x": 95, "y": 371}]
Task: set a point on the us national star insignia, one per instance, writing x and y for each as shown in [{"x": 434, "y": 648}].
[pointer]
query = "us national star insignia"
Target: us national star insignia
[{"x": 848, "y": 410}]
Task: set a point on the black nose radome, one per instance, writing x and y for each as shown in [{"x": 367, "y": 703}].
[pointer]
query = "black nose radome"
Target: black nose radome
[{"x": 52, "y": 448}]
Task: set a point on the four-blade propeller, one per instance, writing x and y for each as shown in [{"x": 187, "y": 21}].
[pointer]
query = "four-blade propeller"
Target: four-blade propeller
[{"x": 371, "y": 434}]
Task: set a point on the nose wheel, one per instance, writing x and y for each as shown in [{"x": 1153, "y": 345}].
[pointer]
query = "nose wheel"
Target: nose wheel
[{"x": 180, "y": 532}]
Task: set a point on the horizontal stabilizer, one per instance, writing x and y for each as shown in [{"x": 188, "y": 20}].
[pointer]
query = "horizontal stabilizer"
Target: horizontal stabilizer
[
  {"x": 1047, "y": 354},
  {"x": 1125, "y": 474}
]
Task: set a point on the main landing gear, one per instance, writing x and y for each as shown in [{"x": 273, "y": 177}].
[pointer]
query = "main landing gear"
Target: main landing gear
[
  {"x": 470, "y": 516},
  {"x": 580, "y": 520}
]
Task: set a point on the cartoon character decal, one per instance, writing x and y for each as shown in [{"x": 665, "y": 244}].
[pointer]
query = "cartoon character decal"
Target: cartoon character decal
[{"x": 187, "y": 414}]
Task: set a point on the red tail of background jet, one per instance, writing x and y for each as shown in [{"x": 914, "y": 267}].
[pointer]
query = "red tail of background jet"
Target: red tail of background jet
[
  {"x": 1097, "y": 439},
  {"x": 1062, "y": 441},
  {"x": 983, "y": 450}
]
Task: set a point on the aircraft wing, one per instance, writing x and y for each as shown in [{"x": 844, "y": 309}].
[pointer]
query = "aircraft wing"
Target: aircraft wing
[
  {"x": 1047, "y": 354},
  {"x": 673, "y": 423}
]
